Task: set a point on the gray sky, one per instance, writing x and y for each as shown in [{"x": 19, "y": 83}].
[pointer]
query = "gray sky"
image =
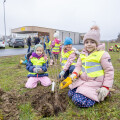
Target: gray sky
[{"x": 70, "y": 15}]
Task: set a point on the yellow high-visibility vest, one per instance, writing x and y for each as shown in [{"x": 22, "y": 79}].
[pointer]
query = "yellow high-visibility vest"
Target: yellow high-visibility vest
[
  {"x": 91, "y": 64},
  {"x": 56, "y": 48},
  {"x": 48, "y": 45},
  {"x": 37, "y": 63},
  {"x": 65, "y": 57}
]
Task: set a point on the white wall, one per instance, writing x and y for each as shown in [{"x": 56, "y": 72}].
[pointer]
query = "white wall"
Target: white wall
[{"x": 74, "y": 35}]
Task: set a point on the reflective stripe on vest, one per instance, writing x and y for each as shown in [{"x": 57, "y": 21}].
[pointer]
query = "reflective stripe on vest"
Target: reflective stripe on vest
[
  {"x": 91, "y": 64},
  {"x": 65, "y": 57},
  {"x": 48, "y": 44},
  {"x": 37, "y": 63},
  {"x": 56, "y": 48}
]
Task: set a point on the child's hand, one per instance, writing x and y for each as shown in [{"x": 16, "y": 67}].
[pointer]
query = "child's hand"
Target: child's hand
[
  {"x": 62, "y": 73},
  {"x": 102, "y": 93},
  {"x": 37, "y": 70},
  {"x": 73, "y": 77},
  {"x": 40, "y": 71}
]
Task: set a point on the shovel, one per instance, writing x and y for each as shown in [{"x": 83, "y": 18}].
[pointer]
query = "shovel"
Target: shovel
[{"x": 65, "y": 83}]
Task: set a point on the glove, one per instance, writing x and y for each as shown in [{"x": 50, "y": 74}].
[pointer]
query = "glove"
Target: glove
[
  {"x": 40, "y": 70},
  {"x": 37, "y": 70},
  {"x": 102, "y": 93},
  {"x": 73, "y": 77},
  {"x": 62, "y": 73}
]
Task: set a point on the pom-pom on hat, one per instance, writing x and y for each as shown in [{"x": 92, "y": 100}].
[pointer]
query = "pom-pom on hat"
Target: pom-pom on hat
[
  {"x": 36, "y": 46},
  {"x": 68, "y": 41},
  {"x": 93, "y": 34},
  {"x": 56, "y": 34}
]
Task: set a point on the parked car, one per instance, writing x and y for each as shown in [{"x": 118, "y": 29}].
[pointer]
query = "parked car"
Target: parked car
[
  {"x": 2, "y": 44},
  {"x": 16, "y": 42}
]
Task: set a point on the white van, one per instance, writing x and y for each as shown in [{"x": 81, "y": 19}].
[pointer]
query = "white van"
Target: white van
[{"x": 2, "y": 44}]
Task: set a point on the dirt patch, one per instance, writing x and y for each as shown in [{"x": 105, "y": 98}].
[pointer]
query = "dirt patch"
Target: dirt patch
[
  {"x": 8, "y": 105},
  {"x": 41, "y": 98},
  {"x": 45, "y": 102}
]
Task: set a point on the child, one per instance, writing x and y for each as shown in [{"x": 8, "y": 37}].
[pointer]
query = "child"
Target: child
[
  {"x": 94, "y": 71},
  {"x": 47, "y": 46},
  {"x": 111, "y": 49},
  {"x": 56, "y": 48},
  {"x": 26, "y": 58},
  {"x": 37, "y": 68},
  {"x": 117, "y": 48},
  {"x": 68, "y": 58}
]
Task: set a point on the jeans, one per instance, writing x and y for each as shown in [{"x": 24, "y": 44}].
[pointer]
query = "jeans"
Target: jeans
[
  {"x": 69, "y": 71},
  {"x": 28, "y": 49},
  {"x": 48, "y": 51}
]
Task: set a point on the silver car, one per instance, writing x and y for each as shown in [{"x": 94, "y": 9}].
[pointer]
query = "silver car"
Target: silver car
[{"x": 16, "y": 42}]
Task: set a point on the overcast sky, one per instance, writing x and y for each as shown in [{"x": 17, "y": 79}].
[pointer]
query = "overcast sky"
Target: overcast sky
[{"x": 70, "y": 15}]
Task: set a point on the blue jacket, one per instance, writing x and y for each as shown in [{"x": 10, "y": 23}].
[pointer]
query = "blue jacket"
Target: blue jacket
[{"x": 30, "y": 67}]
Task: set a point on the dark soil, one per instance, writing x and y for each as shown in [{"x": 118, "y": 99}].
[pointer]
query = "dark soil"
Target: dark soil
[{"x": 42, "y": 100}]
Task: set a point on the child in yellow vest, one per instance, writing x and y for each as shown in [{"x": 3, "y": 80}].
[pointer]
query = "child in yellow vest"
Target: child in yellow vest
[
  {"x": 37, "y": 68},
  {"x": 47, "y": 46},
  {"x": 94, "y": 71},
  {"x": 56, "y": 48},
  {"x": 68, "y": 58}
]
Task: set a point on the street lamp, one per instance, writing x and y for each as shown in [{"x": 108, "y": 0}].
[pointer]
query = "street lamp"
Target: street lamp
[{"x": 4, "y": 18}]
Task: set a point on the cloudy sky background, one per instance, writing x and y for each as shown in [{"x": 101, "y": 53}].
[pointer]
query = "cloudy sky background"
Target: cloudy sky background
[{"x": 70, "y": 15}]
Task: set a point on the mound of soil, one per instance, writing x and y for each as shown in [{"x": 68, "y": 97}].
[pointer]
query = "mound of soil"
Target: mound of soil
[
  {"x": 45, "y": 102},
  {"x": 41, "y": 98}
]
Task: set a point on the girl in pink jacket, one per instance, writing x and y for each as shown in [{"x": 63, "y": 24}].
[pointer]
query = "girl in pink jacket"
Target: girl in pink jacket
[
  {"x": 56, "y": 48},
  {"x": 94, "y": 71},
  {"x": 68, "y": 58}
]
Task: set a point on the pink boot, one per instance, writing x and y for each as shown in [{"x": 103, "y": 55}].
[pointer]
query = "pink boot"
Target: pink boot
[{"x": 51, "y": 62}]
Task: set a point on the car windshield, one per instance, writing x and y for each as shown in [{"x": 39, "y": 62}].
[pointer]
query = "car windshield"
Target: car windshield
[{"x": 19, "y": 40}]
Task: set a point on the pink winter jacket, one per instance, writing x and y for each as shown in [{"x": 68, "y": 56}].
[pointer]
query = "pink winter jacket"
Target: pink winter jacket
[
  {"x": 53, "y": 44},
  {"x": 87, "y": 85}
]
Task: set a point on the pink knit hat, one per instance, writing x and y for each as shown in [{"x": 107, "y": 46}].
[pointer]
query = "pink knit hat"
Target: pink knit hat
[{"x": 93, "y": 34}]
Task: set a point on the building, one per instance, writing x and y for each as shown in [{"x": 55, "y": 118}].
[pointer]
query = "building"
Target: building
[{"x": 41, "y": 32}]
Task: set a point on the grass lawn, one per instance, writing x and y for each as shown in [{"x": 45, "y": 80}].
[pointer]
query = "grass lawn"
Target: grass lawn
[{"x": 13, "y": 78}]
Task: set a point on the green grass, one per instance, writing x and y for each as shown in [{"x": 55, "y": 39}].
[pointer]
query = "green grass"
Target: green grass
[
  {"x": 13, "y": 77},
  {"x": 7, "y": 47},
  {"x": 26, "y": 112}
]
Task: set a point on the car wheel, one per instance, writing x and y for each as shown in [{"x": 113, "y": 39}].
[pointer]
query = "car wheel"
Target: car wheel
[
  {"x": 23, "y": 46},
  {"x": 9, "y": 45}
]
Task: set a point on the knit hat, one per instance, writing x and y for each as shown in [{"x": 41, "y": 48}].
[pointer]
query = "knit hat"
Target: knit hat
[
  {"x": 93, "y": 34},
  {"x": 68, "y": 41},
  {"x": 36, "y": 46},
  {"x": 56, "y": 34}
]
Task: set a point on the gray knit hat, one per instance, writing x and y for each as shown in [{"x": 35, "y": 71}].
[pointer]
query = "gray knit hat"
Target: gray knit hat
[{"x": 36, "y": 46}]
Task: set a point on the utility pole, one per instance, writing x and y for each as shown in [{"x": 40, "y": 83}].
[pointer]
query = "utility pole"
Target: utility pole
[{"x": 4, "y": 18}]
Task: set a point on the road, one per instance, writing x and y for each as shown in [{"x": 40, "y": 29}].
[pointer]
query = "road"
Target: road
[{"x": 20, "y": 51}]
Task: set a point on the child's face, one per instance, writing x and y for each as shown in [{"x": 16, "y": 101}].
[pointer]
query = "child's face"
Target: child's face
[
  {"x": 39, "y": 51},
  {"x": 68, "y": 47},
  {"x": 90, "y": 45}
]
